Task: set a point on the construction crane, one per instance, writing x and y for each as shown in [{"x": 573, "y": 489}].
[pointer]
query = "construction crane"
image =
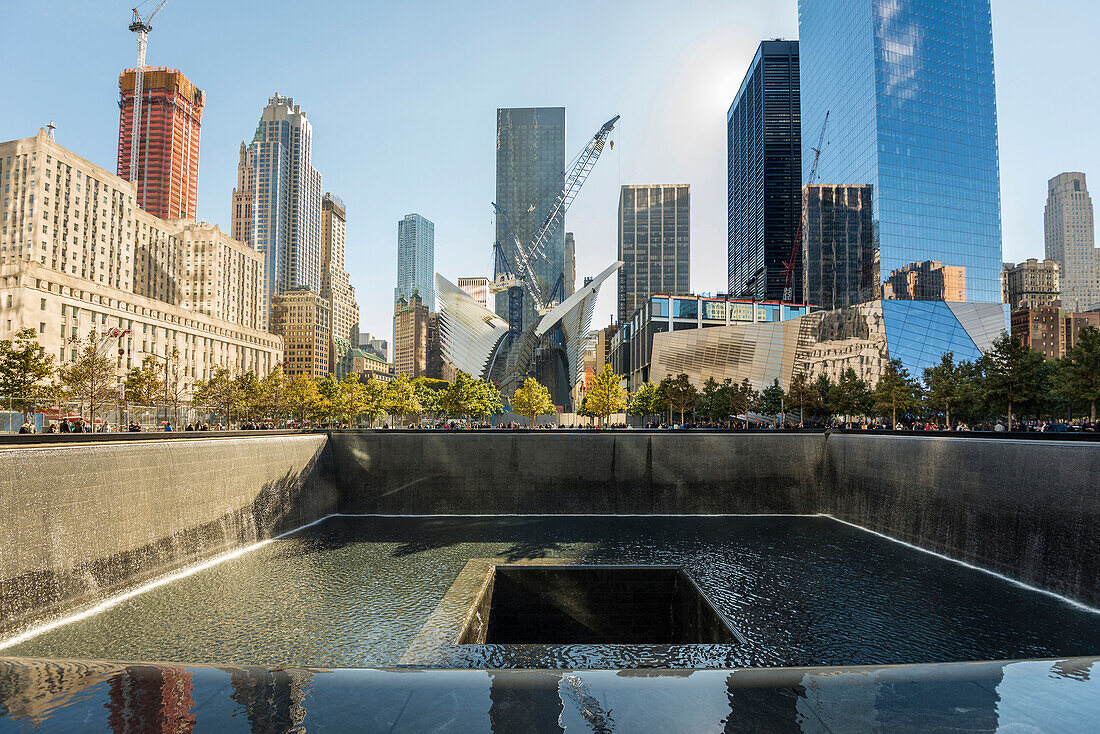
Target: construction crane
[
  {"x": 140, "y": 26},
  {"x": 796, "y": 243},
  {"x": 520, "y": 268}
]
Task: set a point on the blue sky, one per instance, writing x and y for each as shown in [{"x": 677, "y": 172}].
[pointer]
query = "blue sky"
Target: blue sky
[{"x": 403, "y": 98}]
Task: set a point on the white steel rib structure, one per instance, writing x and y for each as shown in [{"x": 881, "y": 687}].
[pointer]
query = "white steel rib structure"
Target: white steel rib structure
[
  {"x": 575, "y": 315},
  {"x": 469, "y": 331}
]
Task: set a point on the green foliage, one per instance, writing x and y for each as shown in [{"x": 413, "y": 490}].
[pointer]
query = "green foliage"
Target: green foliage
[
  {"x": 400, "y": 398},
  {"x": 896, "y": 390},
  {"x": 273, "y": 396},
  {"x": 332, "y": 397},
  {"x": 642, "y": 402},
  {"x": 354, "y": 400},
  {"x": 144, "y": 384},
  {"x": 1014, "y": 375},
  {"x": 773, "y": 399},
  {"x": 606, "y": 396},
  {"x": 91, "y": 378},
  {"x": 249, "y": 398},
  {"x": 850, "y": 396},
  {"x": 532, "y": 400},
  {"x": 679, "y": 394},
  {"x": 822, "y": 389},
  {"x": 1079, "y": 370},
  {"x": 26, "y": 372},
  {"x": 374, "y": 400},
  {"x": 303, "y": 399},
  {"x": 487, "y": 399},
  {"x": 802, "y": 395},
  {"x": 220, "y": 393}
]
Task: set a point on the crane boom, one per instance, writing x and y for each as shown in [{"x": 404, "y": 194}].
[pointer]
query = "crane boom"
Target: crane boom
[
  {"x": 140, "y": 26},
  {"x": 796, "y": 243}
]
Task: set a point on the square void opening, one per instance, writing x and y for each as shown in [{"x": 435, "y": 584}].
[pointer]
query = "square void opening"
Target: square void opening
[{"x": 610, "y": 605}]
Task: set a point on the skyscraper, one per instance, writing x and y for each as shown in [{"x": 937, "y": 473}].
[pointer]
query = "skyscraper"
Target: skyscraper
[
  {"x": 415, "y": 259},
  {"x": 654, "y": 244},
  {"x": 336, "y": 285},
  {"x": 410, "y": 340},
  {"x": 476, "y": 288},
  {"x": 530, "y": 175},
  {"x": 910, "y": 92},
  {"x": 1031, "y": 284},
  {"x": 764, "y": 174},
  {"x": 1070, "y": 240},
  {"x": 276, "y": 174},
  {"x": 168, "y": 144}
]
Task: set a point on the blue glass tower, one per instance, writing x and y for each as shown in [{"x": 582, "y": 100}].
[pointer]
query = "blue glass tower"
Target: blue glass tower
[
  {"x": 415, "y": 259},
  {"x": 909, "y": 88}
]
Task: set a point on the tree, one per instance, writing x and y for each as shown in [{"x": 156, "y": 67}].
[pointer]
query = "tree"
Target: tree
[
  {"x": 26, "y": 372},
  {"x": 1080, "y": 369},
  {"x": 374, "y": 400},
  {"x": 772, "y": 400},
  {"x": 400, "y": 398},
  {"x": 144, "y": 384},
  {"x": 487, "y": 399},
  {"x": 850, "y": 396},
  {"x": 273, "y": 396},
  {"x": 642, "y": 401},
  {"x": 822, "y": 389},
  {"x": 219, "y": 392},
  {"x": 355, "y": 401},
  {"x": 250, "y": 395},
  {"x": 801, "y": 394},
  {"x": 303, "y": 399},
  {"x": 712, "y": 401},
  {"x": 332, "y": 399},
  {"x": 896, "y": 390},
  {"x": 429, "y": 392},
  {"x": 745, "y": 398},
  {"x": 681, "y": 395},
  {"x": 90, "y": 379},
  {"x": 942, "y": 384},
  {"x": 460, "y": 397},
  {"x": 532, "y": 400},
  {"x": 1014, "y": 374},
  {"x": 661, "y": 401},
  {"x": 606, "y": 396}
]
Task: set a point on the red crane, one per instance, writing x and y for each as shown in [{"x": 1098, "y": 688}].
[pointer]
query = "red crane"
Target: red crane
[{"x": 796, "y": 243}]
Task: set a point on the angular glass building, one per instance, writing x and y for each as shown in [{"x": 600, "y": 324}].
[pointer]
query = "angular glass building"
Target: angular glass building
[
  {"x": 764, "y": 174},
  {"x": 530, "y": 175},
  {"x": 415, "y": 259},
  {"x": 909, "y": 88},
  {"x": 654, "y": 244}
]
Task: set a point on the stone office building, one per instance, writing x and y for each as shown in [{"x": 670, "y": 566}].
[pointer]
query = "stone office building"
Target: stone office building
[{"x": 78, "y": 256}]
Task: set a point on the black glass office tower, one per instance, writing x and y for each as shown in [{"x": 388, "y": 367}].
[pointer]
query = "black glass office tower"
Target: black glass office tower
[{"x": 764, "y": 168}]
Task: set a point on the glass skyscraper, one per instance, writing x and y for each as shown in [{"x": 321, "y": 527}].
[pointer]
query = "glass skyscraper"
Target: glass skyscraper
[
  {"x": 908, "y": 85},
  {"x": 415, "y": 260},
  {"x": 654, "y": 244},
  {"x": 764, "y": 169},
  {"x": 284, "y": 189},
  {"x": 530, "y": 175}
]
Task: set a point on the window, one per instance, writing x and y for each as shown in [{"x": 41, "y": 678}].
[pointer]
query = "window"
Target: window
[{"x": 42, "y": 304}]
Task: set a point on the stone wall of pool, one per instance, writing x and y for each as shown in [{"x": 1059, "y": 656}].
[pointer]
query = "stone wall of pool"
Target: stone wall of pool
[{"x": 81, "y": 521}]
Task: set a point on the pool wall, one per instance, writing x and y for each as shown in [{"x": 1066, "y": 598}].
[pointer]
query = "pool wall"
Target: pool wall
[{"x": 80, "y": 521}]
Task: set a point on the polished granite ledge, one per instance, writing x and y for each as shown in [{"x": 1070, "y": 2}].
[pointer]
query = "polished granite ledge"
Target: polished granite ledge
[{"x": 88, "y": 696}]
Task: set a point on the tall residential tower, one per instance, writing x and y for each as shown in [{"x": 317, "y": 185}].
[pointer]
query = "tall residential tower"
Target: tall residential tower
[
  {"x": 276, "y": 176},
  {"x": 168, "y": 144},
  {"x": 415, "y": 260},
  {"x": 1071, "y": 242},
  {"x": 764, "y": 174},
  {"x": 908, "y": 85}
]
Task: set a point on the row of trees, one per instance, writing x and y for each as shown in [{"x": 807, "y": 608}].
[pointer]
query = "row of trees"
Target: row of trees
[{"x": 1009, "y": 380}]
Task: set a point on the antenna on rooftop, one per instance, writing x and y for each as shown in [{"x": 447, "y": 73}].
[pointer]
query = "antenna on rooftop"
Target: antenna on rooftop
[{"x": 50, "y": 127}]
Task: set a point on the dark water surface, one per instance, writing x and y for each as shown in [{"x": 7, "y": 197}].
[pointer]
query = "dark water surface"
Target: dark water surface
[{"x": 356, "y": 591}]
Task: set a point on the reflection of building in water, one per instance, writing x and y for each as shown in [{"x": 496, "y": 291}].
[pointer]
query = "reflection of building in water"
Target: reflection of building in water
[
  {"x": 31, "y": 690},
  {"x": 525, "y": 701},
  {"x": 272, "y": 700},
  {"x": 146, "y": 698},
  {"x": 930, "y": 280}
]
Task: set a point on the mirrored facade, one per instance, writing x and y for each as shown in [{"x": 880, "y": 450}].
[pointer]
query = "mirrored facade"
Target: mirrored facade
[
  {"x": 530, "y": 175},
  {"x": 908, "y": 85},
  {"x": 864, "y": 337},
  {"x": 654, "y": 243}
]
